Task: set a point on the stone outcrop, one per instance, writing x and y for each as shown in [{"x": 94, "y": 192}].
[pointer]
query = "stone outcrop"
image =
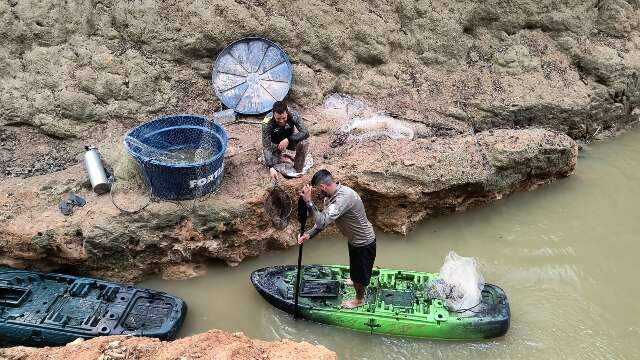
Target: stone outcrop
[
  {"x": 570, "y": 65},
  {"x": 402, "y": 181},
  {"x": 477, "y": 80},
  {"x": 213, "y": 344}
]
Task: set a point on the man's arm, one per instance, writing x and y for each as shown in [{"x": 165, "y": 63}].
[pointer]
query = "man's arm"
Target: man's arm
[
  {"x": 266, "y": 140},
  {"x": 322, "y": 219},
  {"x": 302, "y": 133}
]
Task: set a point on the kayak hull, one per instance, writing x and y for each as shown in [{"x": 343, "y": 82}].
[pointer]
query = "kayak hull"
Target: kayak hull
[
  {"x": 396, "y": 303},
  {"x": 48, "y": 309}
]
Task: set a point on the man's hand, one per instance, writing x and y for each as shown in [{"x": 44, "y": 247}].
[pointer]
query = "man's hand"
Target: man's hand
[
  {"x": 273, "y": 173},
  {"x": 302, "y": 238},
  {"x": 283, "y": 145},
  {"x": 306, "y": 193}
]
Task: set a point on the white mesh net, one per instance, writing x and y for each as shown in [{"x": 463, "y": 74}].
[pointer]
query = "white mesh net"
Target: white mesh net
[
  {"x": 460, "y": 285},
  {"x": 379, "y": 126},
  {"x": 345, "y": 106},
  {"x": 180, "y": 149},
  {"x": 360, "y": 122}
]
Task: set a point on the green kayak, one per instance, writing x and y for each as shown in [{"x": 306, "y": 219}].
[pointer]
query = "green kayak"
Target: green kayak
[{"x": 396, "y": 303}]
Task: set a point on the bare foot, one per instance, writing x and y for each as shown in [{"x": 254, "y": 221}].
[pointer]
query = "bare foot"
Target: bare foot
[
  {"x": 352, "y": 304},
  {"x": 348, "y": 282}
]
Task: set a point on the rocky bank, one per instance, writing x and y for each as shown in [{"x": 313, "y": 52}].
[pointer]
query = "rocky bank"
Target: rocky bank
[
  {"x": 402, "y": 182},
  {"x": 210, "y": 345},
  {"x": 493, "y": 91},
  {"x": 569, "y": 65}
]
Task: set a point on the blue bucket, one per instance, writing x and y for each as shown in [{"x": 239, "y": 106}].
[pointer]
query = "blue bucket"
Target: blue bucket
[{"x": 154, "y": 143}]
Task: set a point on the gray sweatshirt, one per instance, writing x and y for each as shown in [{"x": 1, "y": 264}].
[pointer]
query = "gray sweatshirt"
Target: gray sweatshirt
[{"x": 346, "y": 209}]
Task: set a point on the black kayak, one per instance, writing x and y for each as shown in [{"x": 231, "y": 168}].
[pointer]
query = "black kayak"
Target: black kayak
[{"x": 47, "y": 309}]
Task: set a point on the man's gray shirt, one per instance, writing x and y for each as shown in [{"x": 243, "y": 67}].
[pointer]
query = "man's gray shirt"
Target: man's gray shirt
[{"x": 346, "y": 209}]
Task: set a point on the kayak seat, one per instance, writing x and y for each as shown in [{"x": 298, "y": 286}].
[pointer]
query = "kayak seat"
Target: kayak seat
[
  {"x": 320, "y": 288},
  {"x": 13, "y": 296},
  {"x": 398, "y": 297}
]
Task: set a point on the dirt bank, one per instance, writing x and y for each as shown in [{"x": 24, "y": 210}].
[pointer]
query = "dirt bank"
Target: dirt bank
[
  {"x": 441, "y": 169},
  {"x": 213, "y": 344}
]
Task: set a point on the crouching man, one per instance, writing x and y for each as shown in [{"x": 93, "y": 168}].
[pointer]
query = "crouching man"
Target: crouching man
[
  {"x": 279, "y": 133},
  {"x": 344, "y": 206}
]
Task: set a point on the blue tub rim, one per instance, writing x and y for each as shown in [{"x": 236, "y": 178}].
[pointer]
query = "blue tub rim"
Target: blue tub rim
[{"x": 144, "y": 160}]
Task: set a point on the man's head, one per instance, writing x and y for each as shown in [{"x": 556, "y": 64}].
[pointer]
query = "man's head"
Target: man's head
[
  {"x": 280, "y": 112},
  {"x": 323, "y": 181}
]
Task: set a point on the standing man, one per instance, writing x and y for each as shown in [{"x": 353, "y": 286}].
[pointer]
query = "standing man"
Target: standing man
[
  {"x": 344, "y": 207},
  {"x": 278, "y": 134}
]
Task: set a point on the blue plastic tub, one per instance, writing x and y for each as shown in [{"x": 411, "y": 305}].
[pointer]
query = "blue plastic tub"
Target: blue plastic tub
[{"x": 154, "y": 143}]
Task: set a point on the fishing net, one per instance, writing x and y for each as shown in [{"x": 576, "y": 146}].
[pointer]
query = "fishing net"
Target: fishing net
[
  {"x": 182, "y": 147},
  {"x": 278, "y": 207},
  {"x": 379, "y": 126},
  {"x": 343, "y": 105},
  {"x": 180, "y": 157},
  {"x": 460, "y": 284},
  {"x": 375, "y": 127},
  {"x": 361, "y": 123}
]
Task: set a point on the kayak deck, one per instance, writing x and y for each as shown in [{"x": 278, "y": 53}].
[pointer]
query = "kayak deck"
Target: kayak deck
[
  {"x": 53, "y": 309},
  {"x": 396, "y": 303}
]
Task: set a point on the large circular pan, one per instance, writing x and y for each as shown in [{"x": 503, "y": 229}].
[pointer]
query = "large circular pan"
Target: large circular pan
[{"x": 251, "y": 74}]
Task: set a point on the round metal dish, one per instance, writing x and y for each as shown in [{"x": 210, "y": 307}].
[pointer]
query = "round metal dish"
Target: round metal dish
[{"x": 251, "y": 74}]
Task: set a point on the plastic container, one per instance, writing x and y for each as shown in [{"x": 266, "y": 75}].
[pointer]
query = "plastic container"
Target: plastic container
[
  {"x": 224, "y": 116},
  {"x": 153, "y": 143}
]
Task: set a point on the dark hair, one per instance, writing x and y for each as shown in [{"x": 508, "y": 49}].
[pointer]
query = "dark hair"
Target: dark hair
[
  {"x": 279, "y": 107},
  {"x": 322, "y": 177}
]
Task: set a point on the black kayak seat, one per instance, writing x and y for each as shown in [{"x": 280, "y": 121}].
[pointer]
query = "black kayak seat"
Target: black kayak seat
[
  {"x": 320, "y": 288},
  {"x": 12, "y": 296},
  {"x": 398, "y": 297}
]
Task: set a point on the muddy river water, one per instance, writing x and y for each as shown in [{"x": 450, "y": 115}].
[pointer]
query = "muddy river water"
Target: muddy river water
[{"x": 567, "y": 254}]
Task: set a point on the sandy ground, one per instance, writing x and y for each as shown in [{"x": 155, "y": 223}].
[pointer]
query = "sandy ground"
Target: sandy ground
[{"x": 213, "y": 344}]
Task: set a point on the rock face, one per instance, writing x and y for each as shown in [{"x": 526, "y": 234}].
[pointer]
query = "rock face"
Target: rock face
[
  {"x": 477, "y": 81},
  {"x": 402, "y": 181},
  {"x": 214, "y": 344},
  {"x": 568, "y": 65}
]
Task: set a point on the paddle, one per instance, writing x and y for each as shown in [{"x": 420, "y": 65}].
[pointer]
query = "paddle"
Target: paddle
[{"x": 302, "y": 218}]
